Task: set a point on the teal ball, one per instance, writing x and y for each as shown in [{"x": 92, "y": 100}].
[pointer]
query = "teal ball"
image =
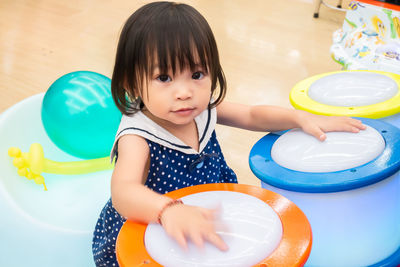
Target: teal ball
[{"x": 79, "y": 114}]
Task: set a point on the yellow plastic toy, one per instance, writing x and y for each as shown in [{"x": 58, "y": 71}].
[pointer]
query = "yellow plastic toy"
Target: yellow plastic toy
[
  {"x": 33, "y": 163},
  {"x": 300, "y": 99}
]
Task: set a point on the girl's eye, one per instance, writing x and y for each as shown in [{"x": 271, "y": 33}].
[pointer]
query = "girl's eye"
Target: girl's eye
[
  {"x": 197, "y": 75},
  {"x": 164, "y": 78}
]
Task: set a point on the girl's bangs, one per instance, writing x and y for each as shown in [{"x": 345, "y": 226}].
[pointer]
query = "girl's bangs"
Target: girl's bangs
[{"x": 174, "y": 46}]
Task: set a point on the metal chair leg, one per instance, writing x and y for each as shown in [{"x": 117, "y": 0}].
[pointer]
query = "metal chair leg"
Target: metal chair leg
[{"x": 317, "y": 5}]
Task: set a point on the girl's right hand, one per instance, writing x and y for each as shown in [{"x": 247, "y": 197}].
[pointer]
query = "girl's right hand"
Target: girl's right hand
[{"x": 196, "y": 223}]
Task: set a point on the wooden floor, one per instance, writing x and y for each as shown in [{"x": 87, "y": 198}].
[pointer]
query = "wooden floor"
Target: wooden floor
[{"x": 266, "y": 47}]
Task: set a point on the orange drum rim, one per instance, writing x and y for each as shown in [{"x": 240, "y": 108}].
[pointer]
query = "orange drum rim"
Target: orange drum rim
[{"x": 293, "y": 250}]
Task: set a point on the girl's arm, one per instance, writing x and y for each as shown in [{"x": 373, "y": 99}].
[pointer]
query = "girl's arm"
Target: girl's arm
[
  {"x": 130, "y": 197},
  {"x": 136, "y": 202},
  {"x": 273, "y": 118}
]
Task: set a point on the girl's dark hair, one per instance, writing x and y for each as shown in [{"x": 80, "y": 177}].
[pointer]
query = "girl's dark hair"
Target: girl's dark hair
[{"x": 170, "y": 35}]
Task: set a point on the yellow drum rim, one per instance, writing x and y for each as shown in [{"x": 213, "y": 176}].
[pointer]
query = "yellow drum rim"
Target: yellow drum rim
[{"x": 300, "y": 100}]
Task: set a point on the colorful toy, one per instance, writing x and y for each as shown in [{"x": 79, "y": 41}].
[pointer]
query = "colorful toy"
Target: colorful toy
[
  {"x": 368, "y": 94},
  {"x": 33, "y": 164},
  {"x": 79, "y": 115},
  {"x": 369, "y": 38},
  {"x": 276, "y": 234},
  {"x": 54, "y": 227},
  {"x": 348, "y": 187}
]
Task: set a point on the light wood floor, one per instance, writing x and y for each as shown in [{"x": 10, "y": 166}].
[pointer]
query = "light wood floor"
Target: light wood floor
[{"x": 266, "y": 46}]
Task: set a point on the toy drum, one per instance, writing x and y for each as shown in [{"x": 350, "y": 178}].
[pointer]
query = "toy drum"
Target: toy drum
[
  {"x": 348, "y": 186},
  {"x": 260, "y": 227},
  {"x": 368, "y": 94}
]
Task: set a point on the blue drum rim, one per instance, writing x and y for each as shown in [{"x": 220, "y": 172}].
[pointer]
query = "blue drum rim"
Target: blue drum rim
[
  {"x": 384, "y": 166},
  {"x": 391, "y": 261}
]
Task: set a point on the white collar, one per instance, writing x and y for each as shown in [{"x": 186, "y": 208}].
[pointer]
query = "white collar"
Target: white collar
[{"x": 140, "y": 124}]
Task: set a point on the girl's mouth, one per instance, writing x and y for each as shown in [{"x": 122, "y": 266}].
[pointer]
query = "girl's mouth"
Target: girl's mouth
[{"x": 184, "y": 111}]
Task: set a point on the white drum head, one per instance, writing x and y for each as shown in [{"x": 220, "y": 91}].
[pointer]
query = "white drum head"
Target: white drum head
[
  {"x": 299, "y": 151},
  {"x": 353, "y": 89},
  {"x": 250, "y": 227}
]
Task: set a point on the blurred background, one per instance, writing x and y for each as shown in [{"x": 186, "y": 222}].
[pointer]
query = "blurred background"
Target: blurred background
[{"x": 265, "y": 46}]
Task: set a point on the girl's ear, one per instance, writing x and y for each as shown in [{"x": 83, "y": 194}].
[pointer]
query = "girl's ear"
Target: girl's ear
[
  {"x": 131, "y": 92},
  {"x": 133, "y": 95}
]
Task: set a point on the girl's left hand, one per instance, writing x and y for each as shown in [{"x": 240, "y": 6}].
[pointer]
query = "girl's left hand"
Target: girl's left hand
[{"x": 318, "y": 125}]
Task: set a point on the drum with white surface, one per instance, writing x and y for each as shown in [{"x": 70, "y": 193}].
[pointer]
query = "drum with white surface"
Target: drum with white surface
[
  {"x": 367, "y": 94},
  {"x": 260, "y": 227},
  {"x": 348, "y": 186}
]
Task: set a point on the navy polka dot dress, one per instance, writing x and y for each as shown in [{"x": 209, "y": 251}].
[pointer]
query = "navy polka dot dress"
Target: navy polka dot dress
[{"x": 173, "y": 165}]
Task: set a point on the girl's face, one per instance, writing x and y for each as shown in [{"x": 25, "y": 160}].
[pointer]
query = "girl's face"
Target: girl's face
[{"x": 178, "y": 98}]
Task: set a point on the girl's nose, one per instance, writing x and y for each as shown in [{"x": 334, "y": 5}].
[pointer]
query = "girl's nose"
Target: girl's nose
[{"x": 183, "y": 92}]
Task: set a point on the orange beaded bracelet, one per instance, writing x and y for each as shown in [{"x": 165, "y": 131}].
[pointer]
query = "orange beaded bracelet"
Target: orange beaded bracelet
[{"x": 173, "y": 202}]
